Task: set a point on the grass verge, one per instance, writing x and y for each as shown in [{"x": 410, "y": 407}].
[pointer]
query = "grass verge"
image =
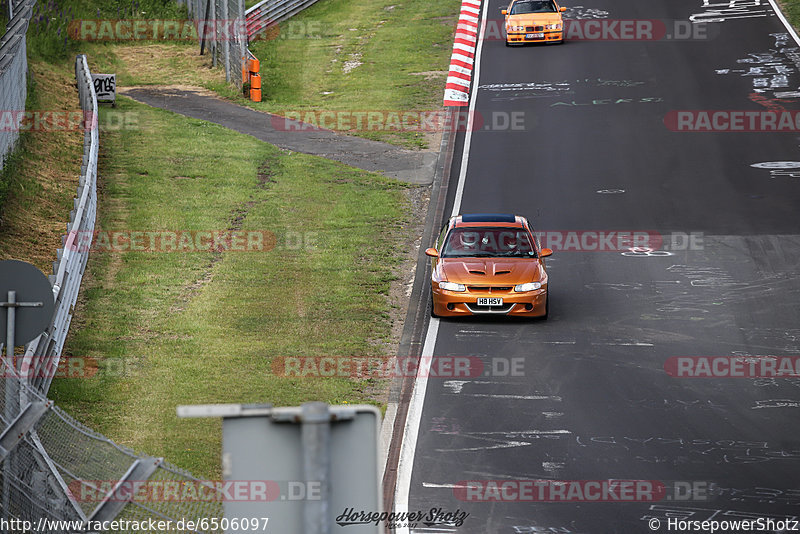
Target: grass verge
[
  {"x": 178, "y": 328},
  {"x": 344, "y": 55}
]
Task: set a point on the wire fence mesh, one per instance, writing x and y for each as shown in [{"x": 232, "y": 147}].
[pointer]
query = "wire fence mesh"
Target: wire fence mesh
[
  {"x": 224, "y": 22},
  {"x": 13, "y": 74}
]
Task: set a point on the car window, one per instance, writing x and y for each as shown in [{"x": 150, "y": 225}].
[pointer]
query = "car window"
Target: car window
[
  {"x": 534, "y": 6},
  {"x": 481, "y": 242}
]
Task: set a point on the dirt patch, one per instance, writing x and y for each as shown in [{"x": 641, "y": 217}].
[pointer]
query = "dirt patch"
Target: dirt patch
[
  {"x": 157, "y": 63},
  {"x": 431, "y": 74}
]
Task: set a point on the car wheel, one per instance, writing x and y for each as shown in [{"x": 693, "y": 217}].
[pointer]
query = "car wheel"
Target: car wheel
[
  {"x": 433, "y": 313},
  {"x": 546, "y": 307},
  {"x": 508, "y": 44}
]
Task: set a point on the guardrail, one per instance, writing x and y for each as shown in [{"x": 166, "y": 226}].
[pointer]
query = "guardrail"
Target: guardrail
[
  {"x": 14, "y": 72},
  {"x": 267, "y": 13},
  {"x": 53, "y": 467},
  {"x": 44, "y": 352}
]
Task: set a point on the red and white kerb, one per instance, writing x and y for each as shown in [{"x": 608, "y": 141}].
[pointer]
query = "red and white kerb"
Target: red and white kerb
[{"x": 456, "y": 91}]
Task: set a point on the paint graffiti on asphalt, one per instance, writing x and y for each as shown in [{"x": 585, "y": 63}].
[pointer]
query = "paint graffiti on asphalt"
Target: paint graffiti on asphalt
[
  {"x": 772, "y": 71},
  {"x": 551, "y": 89},
  {"x": 732, "y": 9},
  {"x": 607, "y": 101}
]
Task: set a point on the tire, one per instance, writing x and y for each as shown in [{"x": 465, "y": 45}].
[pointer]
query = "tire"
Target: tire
[
  {"x": 433, "y": 314},
  {"x": 546, "y": 307},
  {"x": 508, "y": 45}
]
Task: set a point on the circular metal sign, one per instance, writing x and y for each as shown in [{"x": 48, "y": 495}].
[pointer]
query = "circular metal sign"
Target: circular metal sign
[{"x": 31, "y": 286}]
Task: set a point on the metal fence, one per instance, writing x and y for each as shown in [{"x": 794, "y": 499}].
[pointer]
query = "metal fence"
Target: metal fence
[
  {"x": 14, "y": 72},
  {"x": 224, "y": 22},
  {"x": 270, "y": 12},
  {"x": 43, "y": 353},
  {"x": 52, "y": 467}
]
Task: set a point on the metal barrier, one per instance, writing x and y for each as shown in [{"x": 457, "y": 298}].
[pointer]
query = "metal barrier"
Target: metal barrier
[
  {"x": 52, "y": 468},
  {"x": 13, "y": 72},
  {"x": 44, "y": 352},
  {"x": 267, "y": 13}
]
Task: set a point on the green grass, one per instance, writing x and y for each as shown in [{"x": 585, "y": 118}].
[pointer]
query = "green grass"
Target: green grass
[
  {"x": 302, "y": 65},
  {"x": 791, "y": 8},
  {"x": 192, "y": 328}
]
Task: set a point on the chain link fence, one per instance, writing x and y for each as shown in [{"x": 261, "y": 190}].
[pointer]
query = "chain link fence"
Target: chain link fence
[
  {"x": 13, "y": 73},
  {"x": 52, "y": 468},
  {"x": 223, "y": 22}
]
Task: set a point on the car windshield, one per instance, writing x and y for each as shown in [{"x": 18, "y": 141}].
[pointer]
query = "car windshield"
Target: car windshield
[
  {"x": 534, "y": 6},
  {"x": 488, "y": 243}
]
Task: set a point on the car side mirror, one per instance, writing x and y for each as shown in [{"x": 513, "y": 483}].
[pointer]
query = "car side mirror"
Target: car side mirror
[
  {"x": 563, "y": 9},
  {"x": 504, "y": 12},
  {"x": 545, "y": 252},
  {"x": 432, "y": 252}
]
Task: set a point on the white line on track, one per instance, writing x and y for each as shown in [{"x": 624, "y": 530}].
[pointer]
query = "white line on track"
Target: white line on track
[{"x": 415, "y": 405}]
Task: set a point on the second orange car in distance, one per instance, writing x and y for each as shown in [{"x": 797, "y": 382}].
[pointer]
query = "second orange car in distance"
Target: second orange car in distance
[
  {"x": 534, "y": 21},
  {"x": 488, "y": 264}
]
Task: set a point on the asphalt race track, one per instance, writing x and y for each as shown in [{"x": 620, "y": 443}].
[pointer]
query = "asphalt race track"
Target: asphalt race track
[{"x": 593, "y": 400}]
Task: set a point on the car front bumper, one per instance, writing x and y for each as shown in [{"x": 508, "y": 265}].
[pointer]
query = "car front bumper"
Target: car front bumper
[
  {"x": 548, "y": 36},
  {"x": 454, "y": 304}
]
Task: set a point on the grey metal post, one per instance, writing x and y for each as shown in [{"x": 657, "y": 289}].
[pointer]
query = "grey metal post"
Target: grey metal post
[
  {"x": 226, "y": 41},
  {"x": 10, "y": 10},
  {"x": 241, "y": 29},
  {"x": 215, "y": 41},
  {"x": 11, "y": 382},
  {"x": 316, "y": 441}
]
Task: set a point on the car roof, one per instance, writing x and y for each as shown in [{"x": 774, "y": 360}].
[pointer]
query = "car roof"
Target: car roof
[{"x": 489, "y": 219}]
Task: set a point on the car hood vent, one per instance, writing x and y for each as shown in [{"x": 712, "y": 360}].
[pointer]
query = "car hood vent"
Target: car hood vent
[
  {"x": 502, "y": 272},
  {"x": 478, "y": 272}
]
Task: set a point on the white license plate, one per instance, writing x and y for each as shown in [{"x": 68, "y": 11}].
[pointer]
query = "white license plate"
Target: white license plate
[
  {"x": 534, "y": 36},
  {"x": 490, "y": 301}
]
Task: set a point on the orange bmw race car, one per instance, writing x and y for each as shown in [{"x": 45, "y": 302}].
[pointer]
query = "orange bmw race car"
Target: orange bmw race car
[
  {"x": 534, "y": 21},
  {"x": 488, "y": 264}
]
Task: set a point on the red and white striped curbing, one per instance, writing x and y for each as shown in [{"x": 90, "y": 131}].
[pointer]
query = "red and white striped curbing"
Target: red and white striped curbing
[{"x": 456, "y": 92}]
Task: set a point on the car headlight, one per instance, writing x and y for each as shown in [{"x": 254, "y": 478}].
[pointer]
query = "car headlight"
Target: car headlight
[
  {"x": 451, "y": 286},
  {"x": 516, "y": 28},
  {"x": 553, "y": 27},
  {"x": 530, "y": 286}
]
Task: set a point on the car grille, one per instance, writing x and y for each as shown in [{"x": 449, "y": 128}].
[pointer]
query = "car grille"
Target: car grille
[
  {"x": 534, "y": 28},
  {"x": 505, "y": 308},
  {"x": 490, "y": 289}
]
